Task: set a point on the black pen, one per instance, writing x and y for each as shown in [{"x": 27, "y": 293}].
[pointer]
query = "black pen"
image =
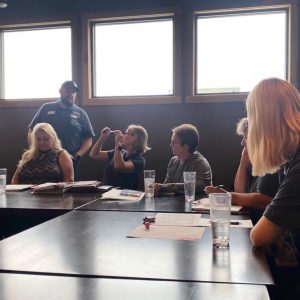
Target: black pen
[{"x": 234, "y": 223}]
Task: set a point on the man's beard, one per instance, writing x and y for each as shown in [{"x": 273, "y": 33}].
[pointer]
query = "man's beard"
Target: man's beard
[{"x": 66, "y": 102}]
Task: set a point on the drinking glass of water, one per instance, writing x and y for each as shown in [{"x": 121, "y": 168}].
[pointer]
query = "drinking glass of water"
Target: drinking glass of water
[
  {"x": 149, "y": 181},
  {"x": 2, "y": 180},
  {"x": 189, "y": 185},
  {"x": 220, "y": 208}
]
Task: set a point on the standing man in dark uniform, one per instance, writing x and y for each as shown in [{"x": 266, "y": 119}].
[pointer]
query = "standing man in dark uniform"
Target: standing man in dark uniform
[{"x": 70, "y": 122}]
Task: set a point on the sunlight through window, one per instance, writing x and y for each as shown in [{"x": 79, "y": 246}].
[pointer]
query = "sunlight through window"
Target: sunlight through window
[
  {"x": 133, "y": 58},
  {"x": 234, "y": 52},
  {"x": 36, "y": 62}
]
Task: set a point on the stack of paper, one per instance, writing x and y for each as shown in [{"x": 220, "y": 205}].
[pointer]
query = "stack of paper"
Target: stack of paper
[
  {"x": 48, "y": 187},
  {"x": 61, "y": 187},
  {"x": 18, "y": 187},
  {"x": 174, "y": 219},
  {"x": 203, "y": 205},
  {"x": 84, "y": 187},
  {"x": 172, "y": 226},
  {"x": 168, "y": 232}
]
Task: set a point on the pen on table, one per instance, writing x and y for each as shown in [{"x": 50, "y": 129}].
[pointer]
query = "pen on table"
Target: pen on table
[{"x": 234, "y": 223}]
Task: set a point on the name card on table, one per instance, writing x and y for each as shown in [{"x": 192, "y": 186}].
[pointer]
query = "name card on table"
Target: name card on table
[{"x": 116, "y": 194}]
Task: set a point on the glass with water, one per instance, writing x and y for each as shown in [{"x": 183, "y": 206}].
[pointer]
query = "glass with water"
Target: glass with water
[
  {"x": 189, "y": 185},
  {"x": 220, "y": 209},
  {"x": 149, "y": 181},
  {"x": 2, "y": 180}
]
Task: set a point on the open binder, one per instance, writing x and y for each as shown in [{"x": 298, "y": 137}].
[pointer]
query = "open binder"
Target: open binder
[{"x": 74, "y": 187}]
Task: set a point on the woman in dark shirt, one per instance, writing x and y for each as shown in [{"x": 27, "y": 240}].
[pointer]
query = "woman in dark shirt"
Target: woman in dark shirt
[
  {"x": 126, "y": 162},
  {"x": 45, "y": 161},
  {"x": 273, "y": 109}
]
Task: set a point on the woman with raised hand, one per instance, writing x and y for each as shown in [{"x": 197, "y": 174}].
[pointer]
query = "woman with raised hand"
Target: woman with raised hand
[
  {"x": 125, "y": 162},
  {"x": 45, "y": 160}
]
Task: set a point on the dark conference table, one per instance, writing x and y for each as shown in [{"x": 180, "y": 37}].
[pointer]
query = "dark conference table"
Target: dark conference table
[
  {"x": 22, "y": 202},
  {"x": 34, "y": 287},
  {"x": 167, "y": 203},
  {"x": 170, "y": 203},
  {"x": 22, "y": 210},
  {"x": 26, "y": 202},
  {"x": 94, "y": 244}
]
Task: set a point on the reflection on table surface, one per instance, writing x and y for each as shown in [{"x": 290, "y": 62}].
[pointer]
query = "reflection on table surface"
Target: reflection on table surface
[{"x": 94, "y": 243}]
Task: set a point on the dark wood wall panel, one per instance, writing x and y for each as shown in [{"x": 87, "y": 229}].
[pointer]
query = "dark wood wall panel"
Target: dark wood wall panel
[{"x": 216, "y": 121}]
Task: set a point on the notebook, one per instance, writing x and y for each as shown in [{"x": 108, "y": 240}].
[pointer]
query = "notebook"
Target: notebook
[
  {"x": 73, "y": 187},
  {"x": 203, "y": 205}
]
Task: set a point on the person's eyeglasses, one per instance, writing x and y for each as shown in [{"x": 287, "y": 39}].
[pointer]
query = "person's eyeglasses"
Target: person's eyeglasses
[{"x": 174, "y": 142}]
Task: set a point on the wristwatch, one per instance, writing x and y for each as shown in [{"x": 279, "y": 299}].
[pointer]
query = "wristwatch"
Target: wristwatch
[{"x": 77, "y": 156}]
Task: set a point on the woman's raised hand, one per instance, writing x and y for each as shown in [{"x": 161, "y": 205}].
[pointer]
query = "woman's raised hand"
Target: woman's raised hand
[
  {"x": 119, "y": 136},
  {"x": 105, "y": 132},
  {"x": 245, "y": 160}
]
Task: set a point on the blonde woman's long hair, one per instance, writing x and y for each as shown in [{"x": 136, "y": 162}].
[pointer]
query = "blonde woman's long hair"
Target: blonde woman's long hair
[
  {"x": 142, "y": 137},
  {"x": 32, "y": 152},
  {"x": 273, "y": 109}
]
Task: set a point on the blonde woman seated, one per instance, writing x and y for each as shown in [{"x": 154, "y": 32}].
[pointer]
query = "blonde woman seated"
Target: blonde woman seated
[
  {"x": 45, "y": 161},
  {"x": 273, "y": 144},
  {"x": 125, "y": 162},
  {"x": 252, "y": 192}
]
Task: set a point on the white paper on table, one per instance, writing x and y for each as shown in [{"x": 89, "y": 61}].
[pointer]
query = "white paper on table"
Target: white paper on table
[
  {"x": 168, "y": 232},
  {"x": 82, "y": 183},
  {"x": 18, "y": 187},
  {"x": 174, "y": 219},
  {"x": 115, "y": 194},
  {"x": 241, "y": 223},
  {"x": 203, "y": 205}
]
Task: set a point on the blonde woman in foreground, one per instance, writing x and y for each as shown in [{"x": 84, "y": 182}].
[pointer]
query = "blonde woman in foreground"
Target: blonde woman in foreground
[
  {"x": 45, "y": 160},
  {"x": 273, "y": 109}
]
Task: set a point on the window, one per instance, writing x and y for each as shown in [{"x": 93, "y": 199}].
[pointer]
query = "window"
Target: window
[
  {"x": 234, "y": 50},
  {"x": 131, "y": 59},
  {"x": 35, "y": 60},
  {"x": 134, "y": 58}
]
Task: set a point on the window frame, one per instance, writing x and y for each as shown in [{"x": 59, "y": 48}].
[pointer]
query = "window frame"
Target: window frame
[
  {"x": 36, "y": 24},
  {"x": 87, "y": 59},
  {"x": 292, "y": 50}
]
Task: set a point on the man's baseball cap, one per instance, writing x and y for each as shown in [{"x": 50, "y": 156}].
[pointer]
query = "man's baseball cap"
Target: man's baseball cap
[{"x": 71, "y": 86}]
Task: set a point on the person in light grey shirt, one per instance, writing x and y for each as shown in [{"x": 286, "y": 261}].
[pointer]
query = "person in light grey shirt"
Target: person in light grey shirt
[{"x": 184, "y": 142}]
